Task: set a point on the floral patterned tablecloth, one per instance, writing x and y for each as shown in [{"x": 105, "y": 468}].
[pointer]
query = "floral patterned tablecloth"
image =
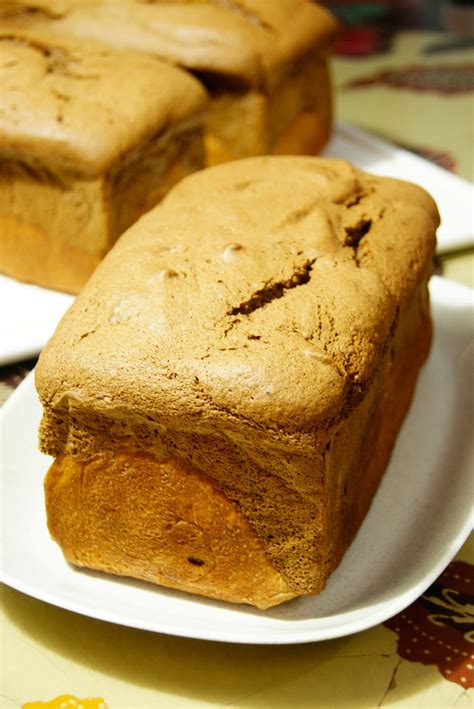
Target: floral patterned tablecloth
[{"x": 418, "y": 94}]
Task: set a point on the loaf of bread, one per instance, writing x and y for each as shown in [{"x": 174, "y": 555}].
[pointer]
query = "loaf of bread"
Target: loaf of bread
[
  {"x": 223, "y": 397},
  {"x": 90, "y": 138},
  {"x": 264, "y": 63}
]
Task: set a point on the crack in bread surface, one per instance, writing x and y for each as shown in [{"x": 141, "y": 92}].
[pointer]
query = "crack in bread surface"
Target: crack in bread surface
[{"x": 273, "y": 291}]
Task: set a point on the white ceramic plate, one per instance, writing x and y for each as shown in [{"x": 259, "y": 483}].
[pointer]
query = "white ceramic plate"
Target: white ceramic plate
[
  {"x": 28, "y": 317},
  {"x": 29, "y": 314},
  {"x": 419, "y": 519}
]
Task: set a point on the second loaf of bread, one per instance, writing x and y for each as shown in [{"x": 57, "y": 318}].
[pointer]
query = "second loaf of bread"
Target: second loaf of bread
[
  {"x": 265, "y": 64},
  {"x": 90, "y": 139},
  {"x": 223, "y": 397}
]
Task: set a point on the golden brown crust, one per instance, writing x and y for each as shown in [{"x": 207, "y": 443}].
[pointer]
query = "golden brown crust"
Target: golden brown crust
[
  {"x": 162, "y": 522},
  {"x": 291, "y": 230},
  {"x": 301, "y": 110},
  {"x": 360, "y": 450}
]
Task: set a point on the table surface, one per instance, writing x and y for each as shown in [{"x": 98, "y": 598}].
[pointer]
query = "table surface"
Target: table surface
[{"x": 54, "y": 658}]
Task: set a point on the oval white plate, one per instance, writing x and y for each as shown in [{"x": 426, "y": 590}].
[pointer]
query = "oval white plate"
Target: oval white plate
[{"x": 419, "y": 519}]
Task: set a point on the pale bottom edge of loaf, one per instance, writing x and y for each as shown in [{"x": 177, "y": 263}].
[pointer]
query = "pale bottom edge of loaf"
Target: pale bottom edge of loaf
[
  {"x": 128, "y": 514},
  {"x": 29, "y": 254}
]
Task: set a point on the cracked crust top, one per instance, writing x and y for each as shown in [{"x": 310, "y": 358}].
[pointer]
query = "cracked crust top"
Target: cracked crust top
[
  {"x": 63, "y": 103},
  {"x": 250, "y": 40},
  {"x": 259, "y": 294}
]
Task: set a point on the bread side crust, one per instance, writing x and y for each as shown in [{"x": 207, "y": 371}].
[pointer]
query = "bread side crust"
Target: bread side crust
[
  {"x": 294, "y": 118},
  {"x": 360, "y": 451}
]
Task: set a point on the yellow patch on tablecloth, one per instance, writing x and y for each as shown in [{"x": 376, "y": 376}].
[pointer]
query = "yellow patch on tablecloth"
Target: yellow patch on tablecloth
[{"x": 67, "y": 701}]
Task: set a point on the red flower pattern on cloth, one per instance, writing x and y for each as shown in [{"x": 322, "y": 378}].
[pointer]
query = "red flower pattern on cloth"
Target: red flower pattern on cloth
[
  {"x": 444, "y": 79},
  {"x": 438, "y": 629}
]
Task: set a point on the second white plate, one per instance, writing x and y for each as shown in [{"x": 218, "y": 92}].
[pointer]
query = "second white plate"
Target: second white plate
[{"x": 419, "y": 519}]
